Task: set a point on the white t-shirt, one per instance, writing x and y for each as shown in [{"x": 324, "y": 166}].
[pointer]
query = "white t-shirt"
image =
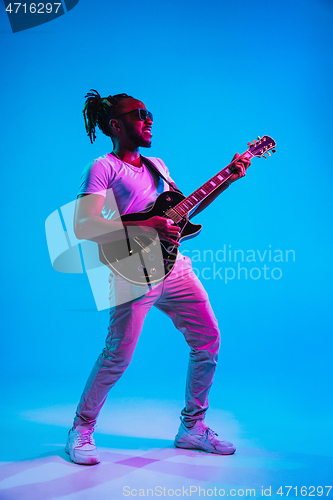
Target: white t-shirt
[{"x": 126, "y": 188}]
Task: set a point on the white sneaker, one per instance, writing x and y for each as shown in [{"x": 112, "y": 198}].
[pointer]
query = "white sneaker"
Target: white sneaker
[
  {"x": 81, "y": 446},
  {"x": 201, "y": 437}
]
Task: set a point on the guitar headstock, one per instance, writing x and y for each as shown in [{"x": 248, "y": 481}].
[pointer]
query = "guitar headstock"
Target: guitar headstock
[{"x": 261, "y": 146}]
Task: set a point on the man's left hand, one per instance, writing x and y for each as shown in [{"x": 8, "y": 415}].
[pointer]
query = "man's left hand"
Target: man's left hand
[{"x": 239, "y": 168}]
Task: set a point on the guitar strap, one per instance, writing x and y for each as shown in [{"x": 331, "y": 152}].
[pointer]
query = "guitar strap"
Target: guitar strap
[{"x": 149, "y": 164}]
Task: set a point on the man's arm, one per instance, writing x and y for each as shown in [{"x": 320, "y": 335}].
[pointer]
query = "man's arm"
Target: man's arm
[
  {"x": 239, "y": 168},
  {"x": 89, "y": 225}
]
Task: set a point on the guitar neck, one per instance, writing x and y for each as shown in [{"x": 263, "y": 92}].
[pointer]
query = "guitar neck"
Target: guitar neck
[{"x": 188, "y": 204}]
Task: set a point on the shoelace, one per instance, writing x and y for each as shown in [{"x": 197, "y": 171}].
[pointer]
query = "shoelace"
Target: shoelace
[
  {"x": 210, "y": 433},
  {"x": 85, "y": 438}
]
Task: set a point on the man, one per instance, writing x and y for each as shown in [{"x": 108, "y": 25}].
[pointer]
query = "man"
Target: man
[{"x": 125, "y": 176}]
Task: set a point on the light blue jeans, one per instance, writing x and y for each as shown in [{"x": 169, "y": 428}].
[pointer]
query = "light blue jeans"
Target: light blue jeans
[{"x": 182, "y": 297}]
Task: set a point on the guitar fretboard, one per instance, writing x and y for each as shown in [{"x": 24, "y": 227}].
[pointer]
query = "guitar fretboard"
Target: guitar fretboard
[{"x": 179, "y": 211}]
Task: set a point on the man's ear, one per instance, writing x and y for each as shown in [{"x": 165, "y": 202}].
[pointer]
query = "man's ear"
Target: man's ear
[{"x": 114, "y": 124}]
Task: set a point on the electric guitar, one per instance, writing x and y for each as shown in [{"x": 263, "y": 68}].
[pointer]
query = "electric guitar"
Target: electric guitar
[{"x": 142, "y": 260}]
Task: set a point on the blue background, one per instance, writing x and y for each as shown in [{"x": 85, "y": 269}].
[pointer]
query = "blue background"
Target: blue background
[{"x": 215, "y": 75}]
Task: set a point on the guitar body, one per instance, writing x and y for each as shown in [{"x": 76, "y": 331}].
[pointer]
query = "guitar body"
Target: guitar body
[{"x": 141, "y": 260}]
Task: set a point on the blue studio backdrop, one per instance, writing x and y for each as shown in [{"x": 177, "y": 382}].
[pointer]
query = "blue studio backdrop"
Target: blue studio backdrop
[{"x": 215, "y": 75}]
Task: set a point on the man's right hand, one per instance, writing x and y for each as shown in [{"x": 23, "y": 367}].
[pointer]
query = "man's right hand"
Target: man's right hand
[{"x": 166, "y": 228}]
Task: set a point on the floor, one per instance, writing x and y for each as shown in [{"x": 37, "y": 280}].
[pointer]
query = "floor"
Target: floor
[{"x": 135, "y": 439}]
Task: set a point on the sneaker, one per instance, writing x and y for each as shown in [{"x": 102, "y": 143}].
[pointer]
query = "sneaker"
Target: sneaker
[
  {"x": 81, "y": 446},
  {"x": 201, "y": 437}
]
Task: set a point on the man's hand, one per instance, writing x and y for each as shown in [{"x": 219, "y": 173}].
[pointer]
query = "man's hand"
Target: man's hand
[
  {"x": 166, "y": 228},
  {"x": 239, "y": 168}
]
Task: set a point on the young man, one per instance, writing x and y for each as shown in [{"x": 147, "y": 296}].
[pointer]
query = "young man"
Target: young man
[{"x": 124, "y": 176}]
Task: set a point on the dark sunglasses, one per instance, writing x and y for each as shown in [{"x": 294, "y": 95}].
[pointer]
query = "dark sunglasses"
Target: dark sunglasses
[{"x": 143, "y": 114}]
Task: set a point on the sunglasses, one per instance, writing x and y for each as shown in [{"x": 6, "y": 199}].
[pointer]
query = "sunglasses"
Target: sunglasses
[{"x": 143, "y": 114}]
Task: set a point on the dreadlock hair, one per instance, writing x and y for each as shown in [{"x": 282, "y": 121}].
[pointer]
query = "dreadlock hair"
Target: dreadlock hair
[{"x": 99, "y": 111}]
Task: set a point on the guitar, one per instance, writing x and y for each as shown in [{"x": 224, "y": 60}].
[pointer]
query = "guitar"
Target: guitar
[{"x": 142, "y": 260}]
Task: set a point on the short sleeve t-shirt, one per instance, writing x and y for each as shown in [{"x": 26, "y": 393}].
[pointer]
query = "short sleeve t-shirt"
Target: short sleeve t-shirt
[{"x": 126, "y": 188}]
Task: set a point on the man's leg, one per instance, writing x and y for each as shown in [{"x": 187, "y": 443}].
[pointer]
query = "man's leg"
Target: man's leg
[
  {"x": 186, "y": 302},
  {"x": 126, "y": 321}
]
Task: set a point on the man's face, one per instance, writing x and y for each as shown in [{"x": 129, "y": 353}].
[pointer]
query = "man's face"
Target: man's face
[{"x": 137, "y": 130}]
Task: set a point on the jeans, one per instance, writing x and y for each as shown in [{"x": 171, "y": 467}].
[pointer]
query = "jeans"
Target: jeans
[{"x": 182, "y": 297}]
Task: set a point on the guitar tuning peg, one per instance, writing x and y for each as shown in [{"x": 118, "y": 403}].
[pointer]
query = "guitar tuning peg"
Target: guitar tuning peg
[
  {"x": 269, "y": 154},
  {"x": 249, "y": 144},
  {"x": 273, "y": 150},
  {"x": 263, "y": 156},
  {"x": 259, "y": 138},
  {"x": 254, "y": 141}
]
